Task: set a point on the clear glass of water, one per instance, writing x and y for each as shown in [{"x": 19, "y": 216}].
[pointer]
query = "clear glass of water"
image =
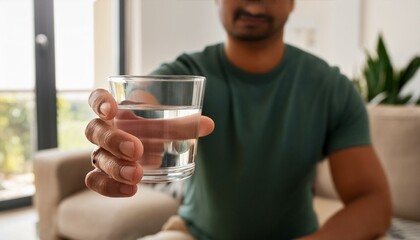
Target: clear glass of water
[{"x": 164, "y": 113}]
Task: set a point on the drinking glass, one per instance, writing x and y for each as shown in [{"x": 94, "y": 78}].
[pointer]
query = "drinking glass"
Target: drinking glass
[{"x": 164, "y": 113}]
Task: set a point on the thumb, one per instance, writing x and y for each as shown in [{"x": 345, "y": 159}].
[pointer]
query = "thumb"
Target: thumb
[{"x": 206, "y": 126}]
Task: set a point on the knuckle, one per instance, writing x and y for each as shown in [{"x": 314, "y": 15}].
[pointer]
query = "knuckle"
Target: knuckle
[
  {"x": 102, "y": 186},
  {"x": 90, "y": 180},
  {"x": 96, "y": 98},
  {"x": 110, "y": 138},
  {"x": 112, "y": 168},
  {"x": 91, "y": 129},
  {"x": 98, "y": 182},
  {"x": 95, "y": 156},
  {"x": 108, "y": 163}
]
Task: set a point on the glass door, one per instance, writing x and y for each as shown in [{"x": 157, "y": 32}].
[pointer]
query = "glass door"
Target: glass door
[
  {"x": 74, "y": 62},
  {"x": 18, "y": 139},
  {"x": 47, "y": 72}
]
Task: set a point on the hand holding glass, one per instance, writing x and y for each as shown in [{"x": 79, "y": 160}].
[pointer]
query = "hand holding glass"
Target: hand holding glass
[{"x": 164, "y": 113}]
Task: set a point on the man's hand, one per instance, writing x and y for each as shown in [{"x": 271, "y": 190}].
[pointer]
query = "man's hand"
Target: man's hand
[{"x": 117, "y": 171}]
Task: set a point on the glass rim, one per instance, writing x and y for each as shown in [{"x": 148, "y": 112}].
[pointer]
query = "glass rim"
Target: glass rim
[{"x": 161, "y": 78}]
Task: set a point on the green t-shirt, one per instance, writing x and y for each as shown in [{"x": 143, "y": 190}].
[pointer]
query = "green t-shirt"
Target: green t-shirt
[{"x": 254, "y": 173}]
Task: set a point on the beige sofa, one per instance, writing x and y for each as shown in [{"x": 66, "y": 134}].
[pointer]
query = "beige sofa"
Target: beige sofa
[{"x": 67, "y": 210}]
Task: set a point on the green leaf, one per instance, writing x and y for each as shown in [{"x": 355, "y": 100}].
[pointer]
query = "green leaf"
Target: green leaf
[
  {"x": 387, "y": 72},
  {"x": 382, "y": 53},
  {"x": 372, "y": 76},
  {"x": 403, "y": 100},
  {"x": 379, "y": 76},
  {"x": 406, "y": 74}
]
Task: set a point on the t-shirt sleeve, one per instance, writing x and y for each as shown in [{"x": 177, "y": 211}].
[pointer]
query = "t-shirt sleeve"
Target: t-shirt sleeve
[{"x": 348, "y": 120}]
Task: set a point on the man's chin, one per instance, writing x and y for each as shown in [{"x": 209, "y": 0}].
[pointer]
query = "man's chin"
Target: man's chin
[{"x": 251, "y": 37}]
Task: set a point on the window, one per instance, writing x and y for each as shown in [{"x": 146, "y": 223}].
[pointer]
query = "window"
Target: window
[
  {"x": 69, "y": 75},
  {"x": 74, "y": 67},
  {"x": 17, "y": 99}
]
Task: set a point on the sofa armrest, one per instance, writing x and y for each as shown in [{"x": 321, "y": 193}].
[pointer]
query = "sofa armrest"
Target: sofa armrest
[{"x": 58, "y": 174}]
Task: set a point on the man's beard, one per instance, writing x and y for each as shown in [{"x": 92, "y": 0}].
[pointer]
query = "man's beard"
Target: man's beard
[{"x": 252, "y": 35}]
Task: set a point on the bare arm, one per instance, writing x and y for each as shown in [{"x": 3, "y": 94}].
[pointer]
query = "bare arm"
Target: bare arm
[{"x": 363, "y": 188}]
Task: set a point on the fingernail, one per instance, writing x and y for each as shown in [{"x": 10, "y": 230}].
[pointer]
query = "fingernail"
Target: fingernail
[
  {"x": 126, "y": 189},
  {"x": 105, "y": 108},
  {"x": 127, "y": 148},
  {"x": 127, "y": 172}
]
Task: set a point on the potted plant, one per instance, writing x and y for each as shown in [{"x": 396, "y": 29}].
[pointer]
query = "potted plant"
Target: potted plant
[{"x": 381, "y": 83}]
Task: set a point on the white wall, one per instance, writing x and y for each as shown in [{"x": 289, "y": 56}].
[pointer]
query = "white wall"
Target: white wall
[
  {"x": 329, "y": 29},
  {"x": 170, "y": 27},
  {"x": 399, "y": 20},
  {"x": 337, "y": 30}
]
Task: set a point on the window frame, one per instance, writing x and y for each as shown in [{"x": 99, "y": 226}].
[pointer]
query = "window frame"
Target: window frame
[{"x": 45, "y": 82}]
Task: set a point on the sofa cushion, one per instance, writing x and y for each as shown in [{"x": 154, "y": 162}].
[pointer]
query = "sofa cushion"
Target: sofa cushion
[
  {"x": 396, "y": 138},
  {"x": 88, "y": 215},
  {"x": 325, "y": 208},
  {"x": 395, "y": 132},
  {"x": 324, "y": 185}
]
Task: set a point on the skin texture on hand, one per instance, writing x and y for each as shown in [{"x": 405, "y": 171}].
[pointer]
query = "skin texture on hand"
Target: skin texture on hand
[{"x": 117, "y": 171}]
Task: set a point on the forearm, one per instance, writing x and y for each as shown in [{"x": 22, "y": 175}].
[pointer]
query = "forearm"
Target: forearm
[{"x": 366, "y": 217}]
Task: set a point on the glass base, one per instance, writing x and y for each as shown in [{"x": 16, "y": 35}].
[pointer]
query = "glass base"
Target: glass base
[{"x": 171, "y": 174}]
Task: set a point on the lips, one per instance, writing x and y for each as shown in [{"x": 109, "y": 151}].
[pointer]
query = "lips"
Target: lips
[{"x": 252, "y": 19}]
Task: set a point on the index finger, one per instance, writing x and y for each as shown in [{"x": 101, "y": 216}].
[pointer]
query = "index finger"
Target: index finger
[{"x": 103, "y": 104}]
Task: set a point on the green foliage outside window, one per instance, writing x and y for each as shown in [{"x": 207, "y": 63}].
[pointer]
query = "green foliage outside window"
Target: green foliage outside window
[
  {"x": 15, "y": 138},
  {"x": 18, "y": 129},
  {"x": 73, "y": 116}
]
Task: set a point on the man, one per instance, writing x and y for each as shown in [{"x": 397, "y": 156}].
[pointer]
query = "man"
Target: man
[{"x": 277, "y": 111}]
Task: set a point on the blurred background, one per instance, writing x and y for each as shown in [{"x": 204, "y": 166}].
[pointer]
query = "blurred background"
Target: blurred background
[{"x": 54, "y": 52}]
